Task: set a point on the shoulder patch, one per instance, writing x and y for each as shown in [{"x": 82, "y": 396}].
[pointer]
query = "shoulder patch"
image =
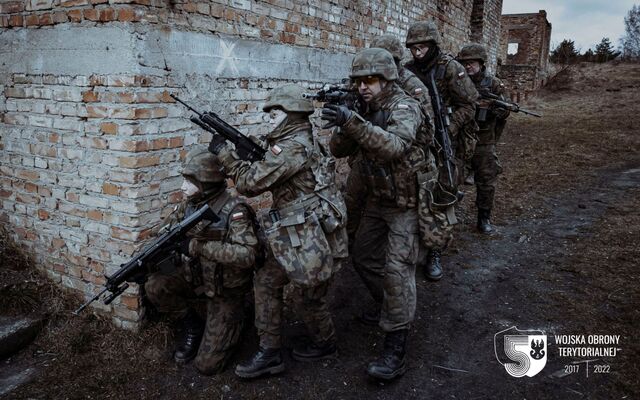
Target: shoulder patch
[
  {"x": 237, "y": 215},
  {"x": 403, "y": 107},
  {"x": 460, "y": 75},
  {"x": 417, "y": 91},
  {"x": 275, "y": 149}
]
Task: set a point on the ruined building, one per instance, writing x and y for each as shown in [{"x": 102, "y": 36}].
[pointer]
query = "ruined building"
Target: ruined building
[
  {"x": 91, "y": 142},
  {"x": 524, "y": 51}
]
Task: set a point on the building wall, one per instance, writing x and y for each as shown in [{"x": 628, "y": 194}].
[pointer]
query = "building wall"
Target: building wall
[
  {"x": 91, "y": 141},
  {"x": 527, "y": 70}
]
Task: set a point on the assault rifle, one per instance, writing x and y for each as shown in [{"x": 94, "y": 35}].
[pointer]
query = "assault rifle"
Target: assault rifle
[
  {"x": 507, "y": 105},
  {"x": 340, "y": 94},
  {"x": 137, "y": 269},
  {"x": 211, "y": 122},
  {"x": 441, "y": 122}
]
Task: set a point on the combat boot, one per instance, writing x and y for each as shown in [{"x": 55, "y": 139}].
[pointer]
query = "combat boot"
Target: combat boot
[
  {"x": 193, "y": 329},
  {"x": 313, "y": 351},
  {"x": 391, "y": 364},
  {"x": 484, "y": 221},
  {"x": 265, "y": 361},
  {"x": 433, "y": 269}
]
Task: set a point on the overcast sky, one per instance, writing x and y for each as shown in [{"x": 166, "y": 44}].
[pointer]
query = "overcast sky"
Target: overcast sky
[{"x": 584, "y": 21}]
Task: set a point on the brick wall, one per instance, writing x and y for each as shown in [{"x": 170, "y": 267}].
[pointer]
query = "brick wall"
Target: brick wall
[
  {"x": 527, "y": 70},
  {"x": 91, "y": 141}
]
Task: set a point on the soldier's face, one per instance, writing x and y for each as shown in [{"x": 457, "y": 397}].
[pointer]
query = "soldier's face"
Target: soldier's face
[
  {"x": 276, "y": 116},
  {"x": 188, "y": 188},
  {"x": 472, "y": 67},
  {"x": 419, "y": 50},
  {"x": 369, "y": 87}
]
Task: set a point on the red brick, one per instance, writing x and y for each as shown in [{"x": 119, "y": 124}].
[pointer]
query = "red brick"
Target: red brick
[
  {"x": 31, "y": 187},
  {"x": 44, "y": 192},
  {"x": 28, "y": 175},
  {"x": 45, "y": 19},
  {"x": 89, "y": 96},
  {"x": 130, "y": 301},
  {"x": 5, "y": 193},
  {"x": 157, "y": 144},
  {"x": 94, "y": 2},
  {"x": 54, "y": 138},
  {"x": 109, "y": 188},
  {"x": 75, "y": 15},
  {"x": 72, "y": 197},
  {"x": 126, "y": 15},
  {"x": 32, "y": 20},
  {"x": 138, "y": 162},
  {"x": 60, "y": 17},
  {"x": 43, "y": 214},
  {"x": 12, "y": 7},
  {"x": 176, "y": 197},
  {"x": 4, "y": 21},
  {"x": 176, "y": 142},
  {"x": 15, "y": 20},
  {"x": 94, "y": 215},
  {"x": 107, "y": 14},
  {"x": 125, "y": 98},
  {"x": 108, "y": 128},
  {"x": 91, "y": 14}
]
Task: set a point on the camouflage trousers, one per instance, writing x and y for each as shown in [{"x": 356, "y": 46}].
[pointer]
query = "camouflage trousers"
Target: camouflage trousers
[
  {"x": 310, "y": 304},
  {"x": 225, "y": 314},
  {"x": 355, "y": 199},
  {"x": 385, "y": 256},
  {"x": 486, "y": 168}
]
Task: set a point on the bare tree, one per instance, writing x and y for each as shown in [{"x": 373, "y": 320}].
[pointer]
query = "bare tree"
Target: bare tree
[{"x": 631, "y": 39}]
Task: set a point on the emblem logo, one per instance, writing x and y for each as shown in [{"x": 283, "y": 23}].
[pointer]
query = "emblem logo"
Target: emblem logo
[{"x": 521, "y": 352}]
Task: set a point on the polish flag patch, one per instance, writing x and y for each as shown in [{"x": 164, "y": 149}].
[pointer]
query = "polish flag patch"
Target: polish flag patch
[
  {"x": 275, "y": 149},
  {"x": 236, "y": 216}
]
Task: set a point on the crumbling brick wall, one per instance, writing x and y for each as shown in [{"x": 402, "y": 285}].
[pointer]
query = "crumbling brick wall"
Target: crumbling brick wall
[
  {"x": 91, "y": 141},
  {"x": 527, "y": 70}
]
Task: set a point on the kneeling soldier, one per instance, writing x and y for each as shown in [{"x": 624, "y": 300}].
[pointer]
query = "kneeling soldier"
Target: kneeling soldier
[{"x": 219, "y": 266}]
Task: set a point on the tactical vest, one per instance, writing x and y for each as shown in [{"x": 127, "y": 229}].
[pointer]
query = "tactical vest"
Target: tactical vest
[
  {"x": 395, "y": 182},
  {"x": 210, "y": 280},
  {"x": 489, "y": 128}
]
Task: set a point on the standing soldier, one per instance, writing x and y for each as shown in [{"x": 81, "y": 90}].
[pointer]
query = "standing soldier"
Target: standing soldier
[
  {"x": 392, "y": 143},
  {"x": 491, "y": 120},
  {"x": 220, "y": 267},
  {"x": 356, "y": 191},
  {"x": 304, "y": 229},
  {"x": 458, "y": 94}
]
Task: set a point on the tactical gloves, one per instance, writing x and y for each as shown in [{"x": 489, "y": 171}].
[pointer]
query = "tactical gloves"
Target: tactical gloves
[
  {"x": 216, "y": 144},
  {"x": 335, "y": 115}
]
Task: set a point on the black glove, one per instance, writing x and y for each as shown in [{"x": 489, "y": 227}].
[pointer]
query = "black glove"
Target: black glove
[
  {"x": 335, "y": 115},
  {"x": 216, "y": 143}
]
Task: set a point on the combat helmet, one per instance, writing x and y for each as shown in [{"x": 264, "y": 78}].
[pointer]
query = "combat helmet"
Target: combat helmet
[
  {"x": 422, "y": 32},
  {"x": 473, "y": 51},
  {"x": 289, "y": 98},
  {"x": 391, "y": 44},
  {"x": 374, "y": 61},
  {"x": 202, "y": 166}
]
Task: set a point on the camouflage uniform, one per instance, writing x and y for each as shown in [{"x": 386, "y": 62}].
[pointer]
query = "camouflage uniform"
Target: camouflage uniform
[
  {"x": 491, "y": 120},
  {"x": 393, "y": 136},
  {"x": 386, "y": 245},
  {"x": 356, "y": 191},
  {"x": 290, "y": 172},
  {"x": 455, "y": 88},
  {"x": 220, "y": 267}
]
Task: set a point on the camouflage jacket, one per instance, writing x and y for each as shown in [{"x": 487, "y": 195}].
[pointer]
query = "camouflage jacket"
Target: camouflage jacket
[
  {"x": 455, "y": 87},
  {"x": 414, "y": 87},
  {"x": 284, "y": 170},
  {"x": 491, "y": 120},
  {"x": 388, "y": 135},
  {"x": 226, "y": 250}
]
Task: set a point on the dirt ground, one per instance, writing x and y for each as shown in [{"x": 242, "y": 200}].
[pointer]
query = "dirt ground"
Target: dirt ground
[{"x": 564, "y": 261}]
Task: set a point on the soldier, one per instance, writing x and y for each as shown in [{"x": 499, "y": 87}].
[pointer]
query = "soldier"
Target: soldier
[
  {"x": 356, "y": 191},
  {"x": 305, "y": 230},
  {"x": 220, "y": 267},
  {"x": 392, "y": 144},
  {"x": 458, "y": 93},
  {"x": 491, "y": 121}
]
